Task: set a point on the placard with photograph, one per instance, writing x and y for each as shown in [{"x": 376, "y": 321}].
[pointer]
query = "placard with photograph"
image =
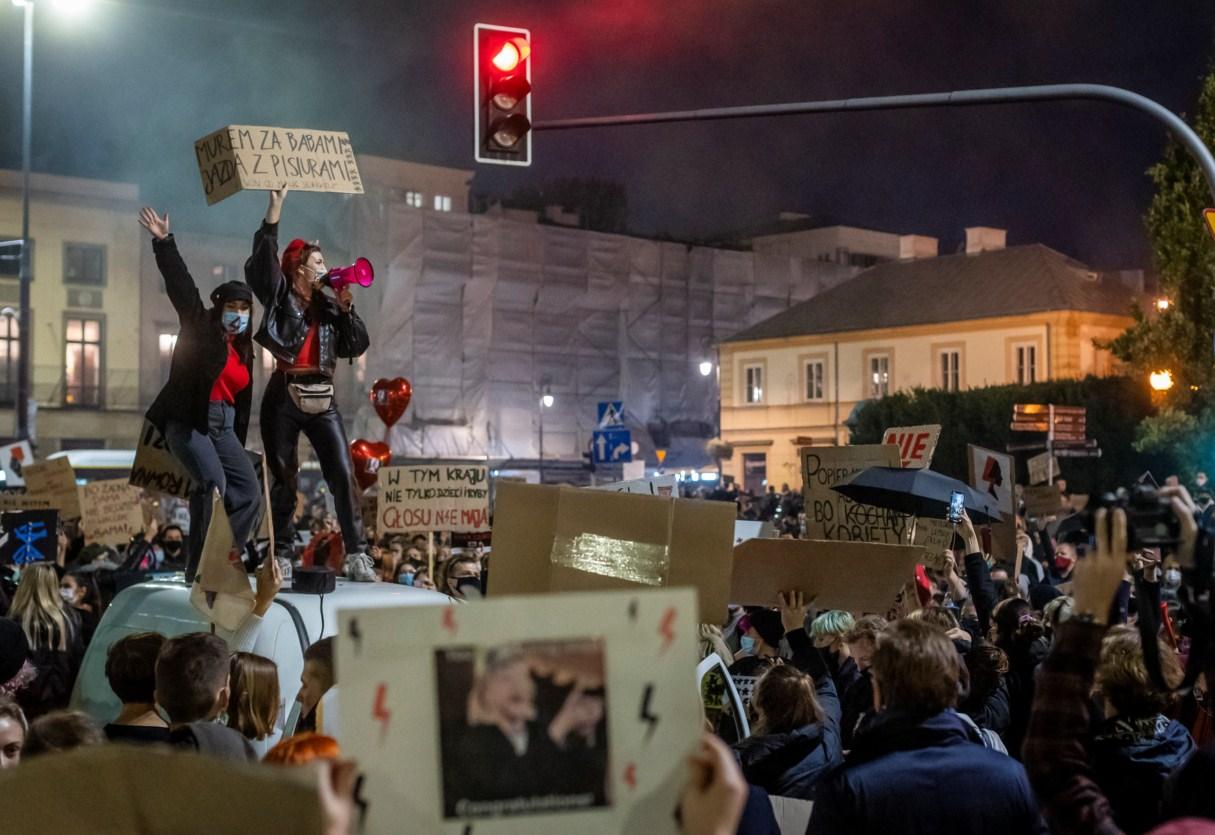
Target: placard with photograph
[{"x": 533, "y": 714}]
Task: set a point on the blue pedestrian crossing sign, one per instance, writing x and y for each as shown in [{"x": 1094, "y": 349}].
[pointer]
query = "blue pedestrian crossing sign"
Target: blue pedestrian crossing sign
[
  {"x": 612, "y": 446},
  {"x": 611, "y": 413}
]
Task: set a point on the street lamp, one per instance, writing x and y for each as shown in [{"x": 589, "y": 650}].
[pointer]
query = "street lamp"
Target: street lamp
[
  {"x": 71, "y": 7},
  {"x": 546, "y": 402},
  {"x": 546, "y": 399},
  {"x": 1163, "y": 303},
  {"x": 706, "y": 368},
  {"x": 1161, "y": 380}
]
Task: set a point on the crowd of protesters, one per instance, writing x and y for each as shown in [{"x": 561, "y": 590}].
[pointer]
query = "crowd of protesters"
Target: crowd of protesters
[{"x": 986, "y": 699}]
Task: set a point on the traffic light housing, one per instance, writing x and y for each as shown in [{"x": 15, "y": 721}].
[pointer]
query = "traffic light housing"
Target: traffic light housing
[{"x": 502, "y": 102}]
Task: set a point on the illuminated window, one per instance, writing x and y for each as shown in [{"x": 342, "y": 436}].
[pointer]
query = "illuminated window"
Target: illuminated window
[
  {"x": 82, "y": 362},
  {"x": 754, "y": 380},
  {"x": 1025, "y": 363},
  {"x": 10, "y": 352},
  {"x": 816, "y": 376},
  {"x": 414, "y": 199},
  {"x": 950, "y": 366},
  {"x": 442, "y": 203},
  {"x": 879, "y": 375}
]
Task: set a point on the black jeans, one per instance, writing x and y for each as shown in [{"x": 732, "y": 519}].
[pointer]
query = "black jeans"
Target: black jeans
[{"x": 282, "y": 424}]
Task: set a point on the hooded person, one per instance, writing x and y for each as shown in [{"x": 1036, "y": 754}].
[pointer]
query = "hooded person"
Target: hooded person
[
  {"x": 203, "y": 409},
  {"x": 307, "y": 331}
]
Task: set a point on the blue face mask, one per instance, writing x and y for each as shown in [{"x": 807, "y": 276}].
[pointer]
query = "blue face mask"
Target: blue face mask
[
  {"x": 405, "y": 579},
  {"x": 747, "y": 644},
  {"x": 235, "y": 322}
]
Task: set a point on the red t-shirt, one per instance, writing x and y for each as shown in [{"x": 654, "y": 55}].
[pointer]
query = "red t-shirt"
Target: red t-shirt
[
  {"x": 310, "y": 353},
  {"x": 232, "y": 380}
]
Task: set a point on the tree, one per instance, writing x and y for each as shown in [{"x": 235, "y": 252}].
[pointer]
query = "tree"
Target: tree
[{"x": 1179, "y": 339}]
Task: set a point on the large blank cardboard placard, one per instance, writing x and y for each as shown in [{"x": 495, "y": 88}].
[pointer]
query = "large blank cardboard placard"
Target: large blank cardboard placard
[
  {"x": 831, "y": 515},
  {"x": 249, "y": 156},
  {"x": 857, "y": 577},
  {"x": 418, "y": 687},
  {"x": 549, "y": 539}
]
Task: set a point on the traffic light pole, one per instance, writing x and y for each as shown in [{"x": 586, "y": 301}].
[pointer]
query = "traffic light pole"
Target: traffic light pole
[
  {"x": 23, "y": 333},
  {"x": 958, "y": 98}
]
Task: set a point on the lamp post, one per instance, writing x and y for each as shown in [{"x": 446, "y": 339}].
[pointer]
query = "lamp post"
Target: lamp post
[
  {"x": 546, "y": 402},
  {"x": 23, "y": 313}
]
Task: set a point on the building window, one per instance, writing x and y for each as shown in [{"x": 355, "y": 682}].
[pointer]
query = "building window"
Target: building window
[
  {"x": 167, "y": 342},
  {"x": 82, "y": 363},
  {"x": 950, "y": 364},
  {"x": 442, "y": 203},
  {"x": 83, "y": 264},
  {"x": 879, "y": 375},
  {"x": 753, "y": 378},
  {"x": 1025, "y": 363},
  {"x": 816, "y": 379},
  {"x": 414, "y": 199},
  {"x": 225, "y": 272},
  {"x": 10, "y": 257},
  {"x": 10, "y": 353}
]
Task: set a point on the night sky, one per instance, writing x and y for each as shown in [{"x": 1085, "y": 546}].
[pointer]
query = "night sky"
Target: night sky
[{"x": 122, "y": 93}]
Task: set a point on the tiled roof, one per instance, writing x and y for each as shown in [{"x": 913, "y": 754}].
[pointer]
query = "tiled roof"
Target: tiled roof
[{"x": 953, "y": 288}]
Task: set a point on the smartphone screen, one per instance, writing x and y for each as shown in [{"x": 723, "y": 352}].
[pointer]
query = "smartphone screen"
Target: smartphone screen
[{"x": 957, "y": 504}]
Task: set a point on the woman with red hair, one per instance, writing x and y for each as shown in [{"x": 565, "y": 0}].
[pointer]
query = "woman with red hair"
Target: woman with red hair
[{"x": 307, "y": 331}]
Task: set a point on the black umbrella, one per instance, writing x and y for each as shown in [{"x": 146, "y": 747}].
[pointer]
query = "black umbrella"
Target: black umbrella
[{"x": 916, "y": 492}]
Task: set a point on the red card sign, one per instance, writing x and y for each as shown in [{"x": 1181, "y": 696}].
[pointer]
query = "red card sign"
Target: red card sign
[{"x": 916, "y": 443}]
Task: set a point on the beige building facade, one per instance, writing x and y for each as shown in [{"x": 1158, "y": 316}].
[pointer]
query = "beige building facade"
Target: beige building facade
[{"x": 989, "y": 317}]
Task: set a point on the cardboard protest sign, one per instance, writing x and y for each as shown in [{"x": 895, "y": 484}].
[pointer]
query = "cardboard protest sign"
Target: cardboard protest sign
[
  {"x": 14, "y": 458},
  {"x": 252, "y": 157},
  {"x": 831, "y": 515},
  {"x": 221, "y": 590},
  {"x": 857, "y": 577},
  {"x": 433, "y": 497},
  {"x": 22, "y": 500},
  {"x": 550, "y": 539},
  {"x": 1042, "y": 468},
  {"x": 32, "y": 536},
  {"x": 605, "y": 678},
  {"x": 1044, "y": 500},
  {"x": 158, "y": 789},
  {"x": 659, "y": 485},
  {"x": 156, "y": 469},
  {"x": 916, "y": 444},
  {"x": 55, "y": 481},
  {"x": 111, "y": 511},
  {"x": 992, "y": 473},
  {"x": 934, "y": 536}
]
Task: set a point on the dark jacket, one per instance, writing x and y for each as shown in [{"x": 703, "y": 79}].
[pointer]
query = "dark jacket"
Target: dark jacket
[
  {"x": 791, "y": 764},
  {"x": 213, "y": 740},
  {"x": 989, "y": 710},
  {"x": 200, "y": 355},
  {"x": 286, "y": 317},
  {"x": 930, "y": 776},
  {"x": 1132, "y": 759},
  {"x": 856, "y": 702}
]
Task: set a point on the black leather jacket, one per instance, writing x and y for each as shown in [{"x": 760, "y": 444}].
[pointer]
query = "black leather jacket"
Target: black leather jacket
[{"x": 285, "y": 316}]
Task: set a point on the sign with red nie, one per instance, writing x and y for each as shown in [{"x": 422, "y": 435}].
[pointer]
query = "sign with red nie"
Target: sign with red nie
[{"x": 916, "y": 444}]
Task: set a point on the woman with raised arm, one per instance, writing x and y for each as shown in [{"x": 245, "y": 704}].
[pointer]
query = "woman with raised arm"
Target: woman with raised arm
[
  {"x": 307, "y": 331},
  {"x": 203, "y": 410}
]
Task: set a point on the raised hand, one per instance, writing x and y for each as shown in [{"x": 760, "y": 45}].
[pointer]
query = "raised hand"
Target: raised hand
[
  {"x": 714, "y": 796},
  {"x": 154, "y": 223},
  {"x": 1097, "y": 575},
  {"x": 275, "y": 210},
  {"x": 793, "y": 607}
]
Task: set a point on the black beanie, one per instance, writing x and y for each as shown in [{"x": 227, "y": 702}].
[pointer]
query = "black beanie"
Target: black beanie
[
  {"x": 768, "y": 624},
  {"x": 231, "y": 291},
  {"x": 14, "y": 649}
]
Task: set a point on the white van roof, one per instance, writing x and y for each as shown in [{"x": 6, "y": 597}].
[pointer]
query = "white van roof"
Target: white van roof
[{"x": 98, "y": 458}]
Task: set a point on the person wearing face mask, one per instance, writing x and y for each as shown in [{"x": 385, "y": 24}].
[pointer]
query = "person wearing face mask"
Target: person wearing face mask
[
  {"x": 203, "y": 410},
  {"x": 1170, "y": 581},
  {"x": 307, "y": 331},
  {"x": 172, "y": 545},
  {"x": 461, "y": 577}
]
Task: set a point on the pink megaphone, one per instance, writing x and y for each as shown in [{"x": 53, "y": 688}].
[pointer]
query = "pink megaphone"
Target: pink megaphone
[{"x": 360, "y": 273}]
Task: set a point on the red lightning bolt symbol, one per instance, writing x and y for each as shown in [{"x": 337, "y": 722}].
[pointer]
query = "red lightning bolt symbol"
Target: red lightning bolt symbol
[
  {"x": 380, "y": 711},
  {"x": 449, "y": 619},
  {"x": 630, "y": 776},
  {"x": 667, "y": 628}
]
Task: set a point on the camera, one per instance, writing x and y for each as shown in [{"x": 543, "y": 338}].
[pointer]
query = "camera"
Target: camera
[{"x": 1150, "y": 520}]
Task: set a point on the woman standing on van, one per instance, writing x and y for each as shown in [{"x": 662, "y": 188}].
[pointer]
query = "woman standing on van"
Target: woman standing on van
[{"x": 203, "y": 410}]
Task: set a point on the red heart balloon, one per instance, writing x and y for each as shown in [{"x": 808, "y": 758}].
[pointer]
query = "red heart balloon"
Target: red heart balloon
[
  {"x": 368, "y": 457},
  {"x": 391, "y": 398}
]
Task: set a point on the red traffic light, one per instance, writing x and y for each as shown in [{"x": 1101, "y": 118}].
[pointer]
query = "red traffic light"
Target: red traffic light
[{"x": 511, "y": 54}]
